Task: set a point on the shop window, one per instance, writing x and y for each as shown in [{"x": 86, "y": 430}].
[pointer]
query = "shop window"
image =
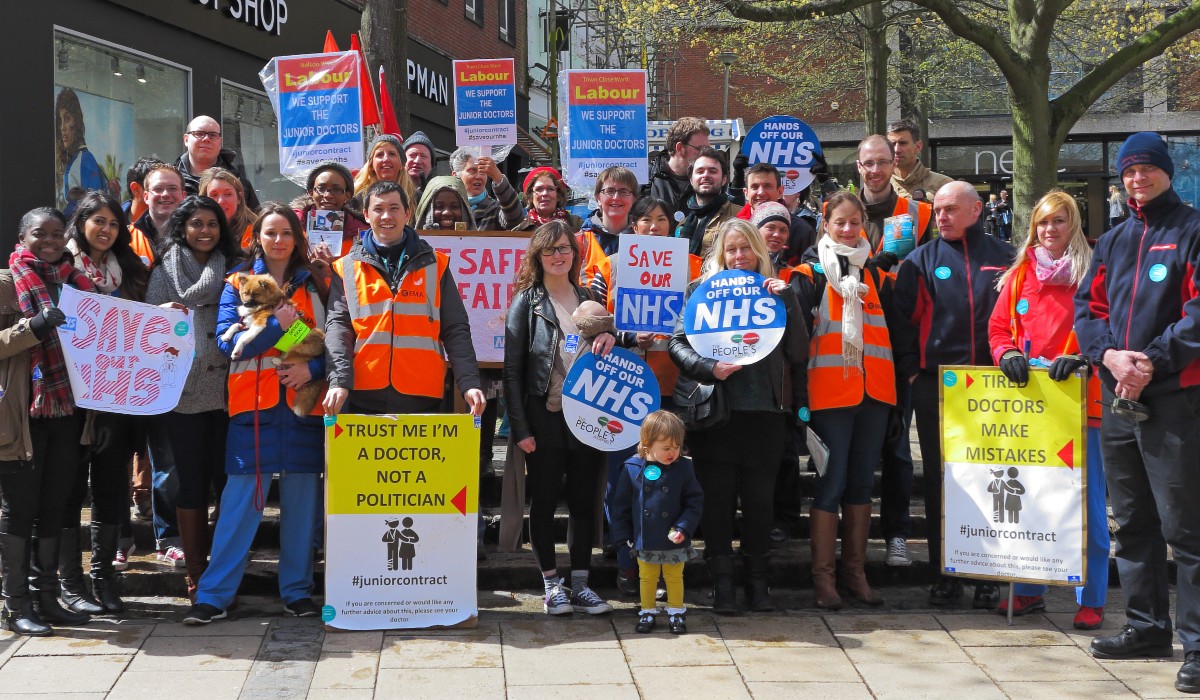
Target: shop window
[
  {"x": 473, "y": 10},
  {"x": 249, "y": 127},
  {"x": 111, "y": 106},
  {"x": 508, "y": 18}
]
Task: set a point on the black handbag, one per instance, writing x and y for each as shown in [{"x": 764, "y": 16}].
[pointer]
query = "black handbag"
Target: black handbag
[{"x": 699, "y": 405}]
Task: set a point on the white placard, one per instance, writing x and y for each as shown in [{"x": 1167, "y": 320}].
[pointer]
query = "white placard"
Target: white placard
[{"x": 649, "y": 278}]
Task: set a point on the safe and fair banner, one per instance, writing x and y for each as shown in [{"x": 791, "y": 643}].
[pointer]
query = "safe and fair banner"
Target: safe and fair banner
[{"x": 1015, "y": 468}]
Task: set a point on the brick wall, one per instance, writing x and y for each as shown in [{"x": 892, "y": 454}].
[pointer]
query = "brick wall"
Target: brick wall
[{"x": 446, "y": 27}]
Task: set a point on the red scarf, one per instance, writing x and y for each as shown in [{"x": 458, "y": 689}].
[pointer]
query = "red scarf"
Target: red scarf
[
  {"x": 51, "y": 383},
  {"x": 558, "y": 215}
]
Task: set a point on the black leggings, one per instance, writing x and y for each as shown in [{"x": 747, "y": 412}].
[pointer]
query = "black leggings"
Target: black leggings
[
  {"x": 38, "y": 496},
  {"x": 109, "y": 472},
  {"x": 198, "y": 444},
  {"x": 546, "y": 467},
  {"x": 739, "y": 460}
]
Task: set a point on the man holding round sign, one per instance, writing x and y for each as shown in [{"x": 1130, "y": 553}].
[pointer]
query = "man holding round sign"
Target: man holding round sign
[{"x": 749, "y": 373}]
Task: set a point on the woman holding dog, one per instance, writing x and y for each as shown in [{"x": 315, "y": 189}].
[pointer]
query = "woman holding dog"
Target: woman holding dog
[
  {"x": 197, "y": 251},
  {"x": 266, "y": 436}
]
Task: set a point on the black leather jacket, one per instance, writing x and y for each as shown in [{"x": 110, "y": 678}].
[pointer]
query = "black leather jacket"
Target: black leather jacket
[
  {"x": 531, "y": 336},
  {"x": 790, "y": 354}
]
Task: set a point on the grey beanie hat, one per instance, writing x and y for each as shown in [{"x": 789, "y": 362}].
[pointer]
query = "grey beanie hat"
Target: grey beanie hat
[
  {"x": 418, "y": 138},
  {"x": 385, "y": 138}
]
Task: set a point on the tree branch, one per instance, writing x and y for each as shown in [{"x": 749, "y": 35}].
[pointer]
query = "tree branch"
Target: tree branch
[
  {"x": 1067, "y": 108},
  {"x": 982, "y": 35},
  {"x": 773, "y": 11}
]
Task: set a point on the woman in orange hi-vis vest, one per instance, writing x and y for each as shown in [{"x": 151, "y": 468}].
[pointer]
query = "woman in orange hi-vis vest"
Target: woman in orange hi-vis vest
[
  {"x": 1033, "y": 324},
  {"x": 395, "y": 315},
  {"x": 851, "y": 391},
  {"x": 265, "y": 435}
]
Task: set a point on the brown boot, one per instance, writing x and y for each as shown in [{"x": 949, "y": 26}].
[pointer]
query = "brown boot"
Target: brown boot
[
  {"x": 823, "y": 539},
  {"x": 856, "y": 523},
  {"x": 193, "y": 536}
]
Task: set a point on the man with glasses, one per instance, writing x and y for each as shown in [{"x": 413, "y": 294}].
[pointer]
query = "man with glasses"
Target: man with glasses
[
  {"x": 910, "y": 174},
  {"x": 162, "y": 191},
  {"x": 202, "y": 139},
  {"x": 685, "y": 140}
]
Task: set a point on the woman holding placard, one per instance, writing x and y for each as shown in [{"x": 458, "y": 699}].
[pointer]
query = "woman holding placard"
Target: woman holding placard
[
  {"x": 541, "y": 341},
  {"x": 41, "y": 452},
  {"x": 731, "y": 467},
  {"x": 196, "y": 253},
  {"x": 1032, "y": 324},
  {"x": 851, "y": 389}
]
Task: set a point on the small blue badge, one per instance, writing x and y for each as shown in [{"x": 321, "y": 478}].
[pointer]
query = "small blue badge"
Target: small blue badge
[
  {"x": 949, "y": 378},
  {"x": 942, "y": 273},
  {"x": 1158, "y": 272},
  {"x": 328, "y": 613},
  {"x": 651, "y": 472},
  {"x": 478, "y": 422},
  {"x": 330, "y": 421},
  {"x": 572, "y": 343},
  {"x": 1023, "y": 307},
  {"x": 818, "y": 268},
  {"x": 37, "y": 373},
  {"x": 804, "y": 414}
]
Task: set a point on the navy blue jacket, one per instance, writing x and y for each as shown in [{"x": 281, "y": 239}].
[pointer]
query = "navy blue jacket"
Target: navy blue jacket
[
  {"x": 1142, "y": 293},
  {"x": 944, "y": 295},
  {"x": 644, "y": 511}
]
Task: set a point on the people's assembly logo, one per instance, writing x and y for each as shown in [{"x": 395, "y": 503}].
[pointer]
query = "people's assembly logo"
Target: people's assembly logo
[
  {"x": 1006, "y": 495},
  {"x": 401, "y": 549},
  {"x": 612, "y": 425},
  {"x": 745, "y": 338}
]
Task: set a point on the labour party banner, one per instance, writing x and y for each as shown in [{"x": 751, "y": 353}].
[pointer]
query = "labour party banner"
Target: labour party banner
[
  {"x": 605, "y": 124},
  {"x": 650, "y": 276},
  {"x": 732, "y": 317},
  {"x": 788, "y": 144},
  {"x": 605, "y": 399},
  {"x": 402, "y": 504},
  {"x": 485, "y": 102},
  {"x": 484, "y": 264},
  {"x": 124, "y": 356},
  {"x": 1015, "y": 466},
  {"x": 316, "y": 99}
]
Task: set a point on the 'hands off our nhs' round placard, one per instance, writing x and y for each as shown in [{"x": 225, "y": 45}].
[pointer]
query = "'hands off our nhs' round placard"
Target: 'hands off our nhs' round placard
[
  {"x": 731, "y": 317},
  {"x": 605, "y": 399}
]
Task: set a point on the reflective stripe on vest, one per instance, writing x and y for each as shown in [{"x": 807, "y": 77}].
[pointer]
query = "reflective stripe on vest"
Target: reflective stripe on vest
[
  {"x": 831, "y": 384},
  {"x": 397, "y": 338},
  {"x": 249, "y": 376}
]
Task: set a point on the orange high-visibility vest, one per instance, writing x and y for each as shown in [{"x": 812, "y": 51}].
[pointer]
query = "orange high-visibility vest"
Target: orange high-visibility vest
[
  {"x": 831, "y": 384},
  {"x": 141, "y": 244},
  {"x": 397, "y": 337},
  {"x": 592, "y": 260},
  {"x": 248, "y": 237},
  {"x": 253, "y": 382},
  {"x": 920, "y": 212}
]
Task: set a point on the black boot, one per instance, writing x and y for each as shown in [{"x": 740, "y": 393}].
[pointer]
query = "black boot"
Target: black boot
[
  {"x": 758, "y": 594},
  {"x": 18, "y": 615},
  {"x": 724, "y": 593},
  {"x": 75, "y": 596},
  {"x": 43, "y": 584},
  {"x": 104, "y": 577}
]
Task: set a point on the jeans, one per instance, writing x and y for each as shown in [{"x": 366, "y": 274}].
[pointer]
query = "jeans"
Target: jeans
[
  {"x": 854, "y": 437},
  {"x": 164, "y": 485}
]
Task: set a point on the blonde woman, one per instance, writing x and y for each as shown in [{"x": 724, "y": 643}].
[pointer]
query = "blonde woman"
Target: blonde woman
[{"x": 224, "y": 188}]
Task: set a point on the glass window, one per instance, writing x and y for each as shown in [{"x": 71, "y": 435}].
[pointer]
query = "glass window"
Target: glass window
[
  {"x": 111, "y": 106},
  {"x": 473, "y": 10},
  {"x": 507, "y": 15},
  {"x": 249, "y": 127}
]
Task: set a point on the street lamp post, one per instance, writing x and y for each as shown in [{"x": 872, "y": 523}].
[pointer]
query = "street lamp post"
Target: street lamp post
[{"x": 728, "y": 58}]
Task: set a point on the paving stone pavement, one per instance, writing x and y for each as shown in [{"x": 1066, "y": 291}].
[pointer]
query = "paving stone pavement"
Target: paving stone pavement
[{"x": 903, "y": 650}]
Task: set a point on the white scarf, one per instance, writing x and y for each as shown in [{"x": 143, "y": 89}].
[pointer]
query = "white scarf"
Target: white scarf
[
  {"x": 106, "y": 275},
  {"x": 850, "y": 289}
]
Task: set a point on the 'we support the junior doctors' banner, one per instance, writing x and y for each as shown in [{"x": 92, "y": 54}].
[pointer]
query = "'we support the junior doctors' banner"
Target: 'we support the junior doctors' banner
[
  {"x": 124, "y": 356},
  {"x": 605, "y": 124}
]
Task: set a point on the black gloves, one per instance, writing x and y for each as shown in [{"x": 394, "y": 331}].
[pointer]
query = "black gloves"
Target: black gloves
[
  {"x": 740, "y": 163},
  {"x": 884, "y": 260},
  {"x": 895, "y": 426},
  {"x": 46, "y": 321},
  {"x": 1066, "y": 365},
  {"x": 1016, "y": 367},
  {"x": 820, "y": 171}
]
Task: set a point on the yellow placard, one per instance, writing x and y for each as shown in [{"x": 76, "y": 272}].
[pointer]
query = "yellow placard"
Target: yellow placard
[
  {"x": 418, "y": 464},
  {"x": 989, "y": 420}
]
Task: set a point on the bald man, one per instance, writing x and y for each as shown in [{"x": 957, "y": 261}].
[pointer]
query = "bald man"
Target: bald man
[
  {"x": 944, "y": 295},
  {"x": 203, "y": 142}
]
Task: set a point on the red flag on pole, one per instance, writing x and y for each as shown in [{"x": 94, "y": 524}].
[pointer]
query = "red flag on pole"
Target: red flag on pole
[
  {"x": 390, "y": 124},
  {"x": 330, "y": 43},
  {"x": 370, "y": 108}
]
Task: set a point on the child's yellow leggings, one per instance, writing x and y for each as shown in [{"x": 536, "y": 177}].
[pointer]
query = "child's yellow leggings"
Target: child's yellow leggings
[{"x": 672, "y": 574}]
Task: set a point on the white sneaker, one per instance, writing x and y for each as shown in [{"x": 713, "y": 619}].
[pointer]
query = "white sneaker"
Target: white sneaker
[
  {"x": 898, "y": 552},
  {"x": 558, "y": 600}
]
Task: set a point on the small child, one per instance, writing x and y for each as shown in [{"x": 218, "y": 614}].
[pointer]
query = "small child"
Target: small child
[{"x": 657, "y": 506}]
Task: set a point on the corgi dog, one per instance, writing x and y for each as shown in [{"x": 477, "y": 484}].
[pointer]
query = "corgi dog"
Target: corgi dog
[{"x": 260, "y": 295}]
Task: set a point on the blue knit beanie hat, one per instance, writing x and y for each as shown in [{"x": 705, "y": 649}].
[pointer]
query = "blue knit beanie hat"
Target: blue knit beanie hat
[{"x": 1145, "y": 148}]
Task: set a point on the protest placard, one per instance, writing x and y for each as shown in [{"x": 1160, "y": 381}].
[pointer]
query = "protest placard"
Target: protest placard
[
  {"x": 402, "y": 504},
  {"x": 316, "y": 100},
  {"x": 788, "y": 144},
  {"x": 484, "y": 264},
  {"x": 125, "y": 356},
  {"x": 485, "y": 102},
  {"x": 1015, "y": 467},
  {"x": 605, "y": 399},
  {"x": 325, "y": 228},
  {"x": 605, "y": 124},
  {"x": 731, "y": 317},
  {"x": 650, "y": 277}
]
